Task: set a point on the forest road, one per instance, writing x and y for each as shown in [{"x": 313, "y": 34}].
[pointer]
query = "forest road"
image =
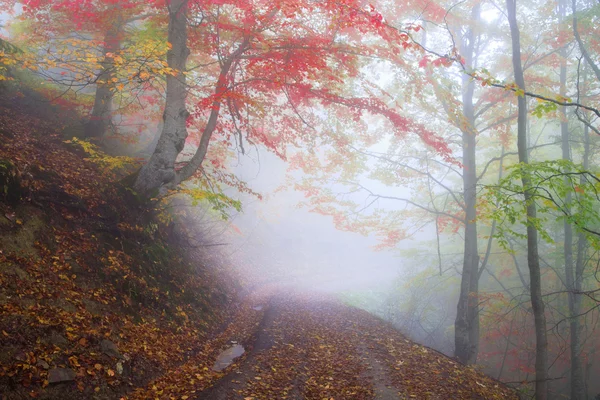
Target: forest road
[
  {"x": 302, "y": 349},
  {"x": 314, "y": 347}
]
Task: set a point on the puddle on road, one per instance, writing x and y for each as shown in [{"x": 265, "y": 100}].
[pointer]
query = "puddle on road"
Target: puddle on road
[{"x": 227, "y": 356}]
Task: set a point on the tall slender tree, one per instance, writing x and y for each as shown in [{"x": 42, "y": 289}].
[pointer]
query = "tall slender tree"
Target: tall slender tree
[
  {"x": 466, "y": 333},
  {"x": 533, "y": 260},
  {"x": 576, "y": 373},
  {"x": 100, "y": 117}
]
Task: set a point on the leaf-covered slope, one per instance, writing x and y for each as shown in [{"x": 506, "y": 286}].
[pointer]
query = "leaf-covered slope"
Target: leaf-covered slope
[{"x": 90, "y": 294}]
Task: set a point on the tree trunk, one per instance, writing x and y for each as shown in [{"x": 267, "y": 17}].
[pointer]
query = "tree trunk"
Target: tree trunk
[
  {"x": 578, "y": 391},
  {"x": 466, "y": 325},
  {"x": 578, "y": 386},
  {"x": 101, "y": 115},
  {"x": 535, "y": 285},
  {"x": 160, "y": 168},
  {"x": 576, "y": 378}
]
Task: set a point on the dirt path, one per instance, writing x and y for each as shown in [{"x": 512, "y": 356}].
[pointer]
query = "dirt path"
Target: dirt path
[
  {"x": 301, "y": 346},
  {"x": 378, "y": 374},
  {"x": 232, "y": 383},
  {"x": 315, "y": 348}
]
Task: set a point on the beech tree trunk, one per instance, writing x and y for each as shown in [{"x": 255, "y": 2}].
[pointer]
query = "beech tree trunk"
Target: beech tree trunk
[
  {"x": 533, "y": 262},
  {"x": 576, "y": 378},
  {"x": 159, "y": 173},
  {"x": 466, "y": 325},
  {"x": 160, "y": 168},
  {"x": 578, "y": 386},
  {"x": 101, "y": 115},
  {"x": 578, "y": 383}
]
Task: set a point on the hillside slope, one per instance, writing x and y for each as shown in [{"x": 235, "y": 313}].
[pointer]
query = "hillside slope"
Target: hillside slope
[
  {"x": 96, "y": 304},
  {"x": 94, "y": 301}
]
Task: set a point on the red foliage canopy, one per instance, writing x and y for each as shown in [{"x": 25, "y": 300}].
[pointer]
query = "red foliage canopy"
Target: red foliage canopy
[{"x": 274, "y": 65}]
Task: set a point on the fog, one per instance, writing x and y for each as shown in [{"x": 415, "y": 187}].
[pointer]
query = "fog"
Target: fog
[
  {"x": 300, "y": 247},
  {"x": 398, "y": 181},
  {"x": 277, "y": 239}
]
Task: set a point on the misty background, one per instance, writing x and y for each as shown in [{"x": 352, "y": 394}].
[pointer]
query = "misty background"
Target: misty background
[{"x": 377, "y": 218}]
